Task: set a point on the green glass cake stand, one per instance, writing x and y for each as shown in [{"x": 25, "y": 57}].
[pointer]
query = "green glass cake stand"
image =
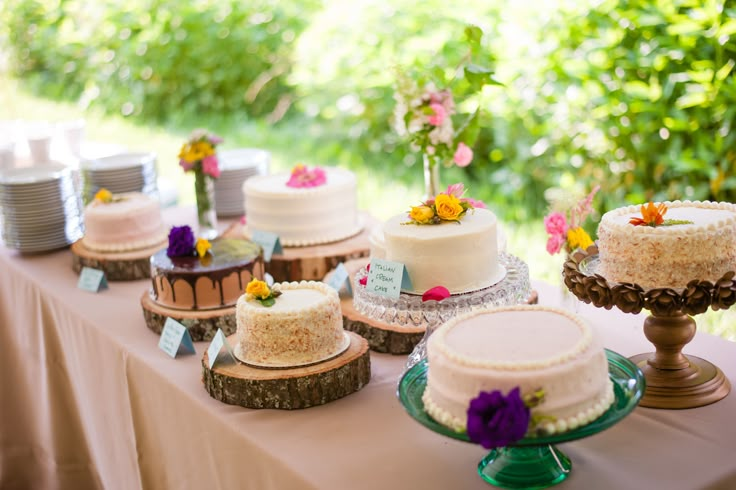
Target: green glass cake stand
[{"x": 533, "y": 462}]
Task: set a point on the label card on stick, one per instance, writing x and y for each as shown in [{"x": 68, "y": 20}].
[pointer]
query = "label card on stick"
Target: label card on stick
[
  {"x": 340, "y": 278},
  {"x": 270, "y": 243},
  {"x": 92, "y": 280},
  {"x": 175, "y": 338},
  {"x": 215, "y": 347},
  {"x": 387, "y": 278}
]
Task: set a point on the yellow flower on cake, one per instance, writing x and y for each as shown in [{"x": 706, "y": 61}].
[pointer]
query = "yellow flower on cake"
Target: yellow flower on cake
[
  {"x": 422, "y": 214},
  {"x": 448, "y": 207},
  {"x": 203, "y": 246},
  {"x": 578, "y": 238},
  {"x": 103, "y": 195},
  {"x": 258, "y": 289}
]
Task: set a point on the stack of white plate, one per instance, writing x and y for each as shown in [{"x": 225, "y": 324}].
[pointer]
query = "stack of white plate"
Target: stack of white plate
[
  {"x": 41, "y": 208},
  {"x": 237, "y": 166},
  {"x": 125, "y": 172}
]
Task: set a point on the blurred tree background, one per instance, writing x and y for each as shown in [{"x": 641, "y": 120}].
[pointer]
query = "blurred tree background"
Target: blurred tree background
[{"x": 638, "y": 96}]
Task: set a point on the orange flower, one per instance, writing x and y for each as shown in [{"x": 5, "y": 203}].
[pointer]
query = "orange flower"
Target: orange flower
[{"x": 651, "y": 215}]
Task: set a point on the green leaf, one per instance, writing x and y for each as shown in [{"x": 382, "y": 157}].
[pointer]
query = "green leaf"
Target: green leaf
[
  {"x": 479, "y": 76},
  {"x": 473, "y": 34},
  {"x": 691, "y": 99},
  {"x": 725, "y": 70}
]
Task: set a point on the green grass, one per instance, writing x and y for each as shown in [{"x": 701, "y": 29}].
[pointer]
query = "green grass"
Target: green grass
[{"x": 378, "y": 193}]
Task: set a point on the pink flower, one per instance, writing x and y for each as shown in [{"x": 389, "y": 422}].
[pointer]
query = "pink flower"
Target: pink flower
[
  {"x": 475, "y": 203},
  {"x": 364, "y": 280},
  {"x": 554, "y": 243},
  {"x": 555, "y": 223},
  {"x": 214, "y": 139},
  {"x": 439, "y": 115},
  {"x": 210, "y": 167},
  {"x": 463, "y": 155},
  {"x": 456, "y": 190},
  {"x": 437, "y": 293},
  {"x": 302, "y": 176},
  {"x": 186, "y": 165},
  {"x": 243, "y": 220}
]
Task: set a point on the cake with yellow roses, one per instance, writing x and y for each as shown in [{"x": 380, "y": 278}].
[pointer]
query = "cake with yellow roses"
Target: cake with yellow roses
[
  {"x": 289, "y": 324},
  {"x": 446, "y": 241},
  {"x": 123, "y": 222}
]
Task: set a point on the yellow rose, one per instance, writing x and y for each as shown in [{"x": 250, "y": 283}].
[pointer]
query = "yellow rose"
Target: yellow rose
[
  {"x": 448, "y": 207},
  {"x": 421, "y": 214},
  {"x": 577, "y": 237},
  {"x": 103, "y": 195},
  {"x": 203, "y": 245},
  {"x": 259, "y": 289}
]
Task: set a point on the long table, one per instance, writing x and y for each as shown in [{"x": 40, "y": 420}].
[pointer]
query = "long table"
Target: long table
[{"x": 87, "y": 400}]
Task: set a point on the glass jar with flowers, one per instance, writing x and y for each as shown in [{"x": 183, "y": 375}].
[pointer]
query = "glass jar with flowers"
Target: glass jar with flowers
[
  {"x": 437, "y": 111},
  {"x": 198, "y": 155}
]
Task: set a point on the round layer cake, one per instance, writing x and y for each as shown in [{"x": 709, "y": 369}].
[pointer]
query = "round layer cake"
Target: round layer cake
[
  {"x": 461, "y": 256},
  {"x": 303, "y": 326},
  {"x": 215, "y": 281},
  {"x": 131, "y": 221},
  {"x": 530, "y": 347},
  {"x": 669, "y": 256},
  {"x": 303, "y": 216}
]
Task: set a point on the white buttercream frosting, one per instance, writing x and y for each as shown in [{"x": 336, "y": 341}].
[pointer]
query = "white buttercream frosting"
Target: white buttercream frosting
[
  {"x": 303, "y": 216},
  {"x": 460, "y": 256}
]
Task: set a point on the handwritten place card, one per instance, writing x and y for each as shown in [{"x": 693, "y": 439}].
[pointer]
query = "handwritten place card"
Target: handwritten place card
[
  {"x": 175, "y": 338},
  {"x": 92, "y": 280},
  {"x": 270, "y": 243},
  {"x": 387, "y": 278},
  {"x": 339, "y": 279},
  {"x": 213, "y": 351}
]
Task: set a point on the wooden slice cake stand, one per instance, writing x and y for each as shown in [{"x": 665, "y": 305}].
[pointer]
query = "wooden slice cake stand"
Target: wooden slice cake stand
[
  {"x": 117, "y": 266},
  {"x": 201, "y": 324},
  {"x": 314, "y": 262},
  {"x": 290, "y": 388}
]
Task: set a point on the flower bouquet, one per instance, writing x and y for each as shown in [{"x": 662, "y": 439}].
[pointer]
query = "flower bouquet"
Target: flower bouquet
[
  {"x": 198, "y": 155},
  {"x": 565, "y": 227},
  {"x": 426, "y": 112}
]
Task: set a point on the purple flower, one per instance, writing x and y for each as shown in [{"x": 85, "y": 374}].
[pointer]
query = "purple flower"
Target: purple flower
[
  {"x": 497, "y": 421},
  {"x": 181, "y": 242}
]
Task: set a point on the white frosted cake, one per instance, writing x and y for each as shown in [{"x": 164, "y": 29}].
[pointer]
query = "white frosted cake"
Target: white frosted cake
[
  {"x": 461, "y": 256},
  {"x": 669, "y": 255},
  {"x": 303, "y": 216},
  {"x": 130, "y": 221},
  {"x": 303, "y": 326},
  {"x": 530, "y": 347}
]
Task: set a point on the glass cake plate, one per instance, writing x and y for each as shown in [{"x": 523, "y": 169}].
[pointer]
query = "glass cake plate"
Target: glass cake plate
[
  {"x": 410, "y": 311},
  {"x": 275, "y": 365},
  {"x": 532, "y": 462}
]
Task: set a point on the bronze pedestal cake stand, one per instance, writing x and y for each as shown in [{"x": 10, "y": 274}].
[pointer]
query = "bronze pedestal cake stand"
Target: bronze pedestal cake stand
[{"x": 673, "y": 380}]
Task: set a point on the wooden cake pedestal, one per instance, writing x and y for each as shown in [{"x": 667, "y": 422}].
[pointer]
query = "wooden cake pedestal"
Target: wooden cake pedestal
[
  {"x": 314, "y": 262},
  {"x": 290, "y": 388},
  {"x": 117, "y": 266},
  {"x": 201, "y": 324}
]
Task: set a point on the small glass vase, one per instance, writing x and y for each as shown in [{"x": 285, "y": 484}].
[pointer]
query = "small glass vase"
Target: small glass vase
[
  {"x": 431, "y": 176},
  {"x": 204, "y": 190}
]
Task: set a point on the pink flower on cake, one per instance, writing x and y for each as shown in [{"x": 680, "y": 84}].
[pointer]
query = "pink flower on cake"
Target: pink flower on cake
[
  {"x": 210, "y": 166},
  {"x": 475, "y": 203},
  {"x": 463, "y": 155},
  {"x": 555, "y": 243},
  {"x": 364, "y": 280},
  {"x": 304, "y": 177},
  {"x": 439, "y": 114}
]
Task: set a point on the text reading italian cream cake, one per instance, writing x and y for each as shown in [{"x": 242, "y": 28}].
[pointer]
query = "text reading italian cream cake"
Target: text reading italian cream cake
[
  {"x": 302, "y": 326},
  {"x": 123, "y": 222},
  {"x": 676, "y": 242},
  {"x": 459, "y": 255},
  {"x": 534, "y": 348},
  {"x": 304, "y": 212}
]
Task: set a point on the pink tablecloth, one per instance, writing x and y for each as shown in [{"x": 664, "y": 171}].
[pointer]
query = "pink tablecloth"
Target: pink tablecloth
[{"x": 88, "y": 401}]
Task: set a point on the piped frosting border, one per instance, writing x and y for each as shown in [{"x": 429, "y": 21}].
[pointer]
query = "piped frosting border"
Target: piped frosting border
[{"x": 580, "y": 346}]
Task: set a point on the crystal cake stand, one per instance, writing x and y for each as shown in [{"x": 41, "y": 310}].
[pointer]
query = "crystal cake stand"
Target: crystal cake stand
[{"x": 673, "y": 379}]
